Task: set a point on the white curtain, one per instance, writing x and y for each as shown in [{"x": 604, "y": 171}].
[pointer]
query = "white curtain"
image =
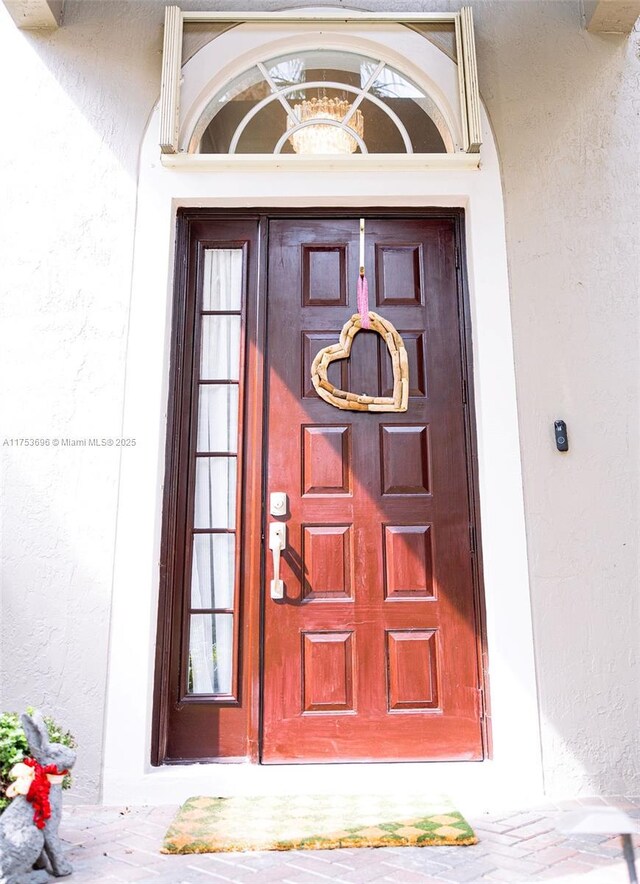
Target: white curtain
[
  {"x": 222, "y": 289},
  {"x": 211, "y": 653},
  {"x": 212, "y": 577}
]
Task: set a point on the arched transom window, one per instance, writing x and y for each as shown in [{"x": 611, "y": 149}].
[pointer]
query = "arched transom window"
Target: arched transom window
[{"x": 322, "y": 102}]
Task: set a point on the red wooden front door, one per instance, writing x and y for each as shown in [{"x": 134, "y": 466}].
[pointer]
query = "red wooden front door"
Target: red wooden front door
[{"x": 372, "y": 652}]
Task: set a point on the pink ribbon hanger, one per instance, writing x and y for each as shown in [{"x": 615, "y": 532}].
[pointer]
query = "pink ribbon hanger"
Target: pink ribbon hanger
[{"x": 362, "y": 290}]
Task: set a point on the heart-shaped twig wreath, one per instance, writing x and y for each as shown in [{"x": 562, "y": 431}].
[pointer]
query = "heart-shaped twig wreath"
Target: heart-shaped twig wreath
[{"x": 341, "y": 350}]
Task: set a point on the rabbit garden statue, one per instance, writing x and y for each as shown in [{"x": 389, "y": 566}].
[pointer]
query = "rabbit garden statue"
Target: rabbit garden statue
[{"x": 30, "y": 849}]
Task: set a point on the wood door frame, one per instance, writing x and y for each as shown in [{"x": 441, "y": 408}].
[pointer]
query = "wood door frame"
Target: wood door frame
[{"x": 255, "y": 463}]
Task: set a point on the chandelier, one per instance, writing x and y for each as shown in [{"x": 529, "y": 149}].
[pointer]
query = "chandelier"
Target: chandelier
[{"x": 323, "y": 138}]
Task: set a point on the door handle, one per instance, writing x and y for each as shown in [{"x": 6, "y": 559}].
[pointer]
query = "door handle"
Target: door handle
[{"x": 277, "y": 543}]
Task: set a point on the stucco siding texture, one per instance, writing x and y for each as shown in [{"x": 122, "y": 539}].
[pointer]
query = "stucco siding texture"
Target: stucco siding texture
[
  {"x": 76, "y": 106},
  {"x": 565, "y": 108}
]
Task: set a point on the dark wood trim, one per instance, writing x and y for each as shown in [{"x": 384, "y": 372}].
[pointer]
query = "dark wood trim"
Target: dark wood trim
[
  {"x": 253, "y": 467},
  {"x": 169, "y": 520},
  {"x": 172, "y": 549},
  {"x": 189, "y": 358},
  {"x": 382, "y": 212},
  {"x": 254, "y": 561},
  {"x": 473, "y": 482}
]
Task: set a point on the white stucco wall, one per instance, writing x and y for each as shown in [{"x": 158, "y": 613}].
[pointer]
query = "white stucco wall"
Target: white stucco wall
[
  {"x": 564, "y": 105},
  {"x": 75, "y": 105}
]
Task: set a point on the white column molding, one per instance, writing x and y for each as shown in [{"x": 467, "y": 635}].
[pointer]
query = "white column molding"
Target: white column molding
[
  {"x": 469, "y": 65},
  {"x": 170, "y": 87},
  {"x": 612, "y": 16}
]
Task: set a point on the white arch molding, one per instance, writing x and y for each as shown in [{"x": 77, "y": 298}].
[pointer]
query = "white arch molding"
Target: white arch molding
[
  {"x": 516, "y": 762},
  {"x": 234, "y": 52}
]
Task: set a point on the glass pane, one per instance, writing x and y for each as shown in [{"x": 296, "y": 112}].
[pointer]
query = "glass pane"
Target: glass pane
[
  {"x": 210, "y": 654},
  {"x": 391, "y": 84},
  {"x": 322, "y": 64},
  {"x": 248, "y": 85},
  {"x": 318, "y": 137},
  {"x": 381, "y": 135},
  {"x": 220, "y": 348},
  {"x": 332, "y": 71},
  {"x": 262, "y": 133},
  {"x": 417, "y": 112},
  {"x": 218, "y": 418},
  {"x": 215, "y": 493},
  {"x": 222, "y": 279},
  {"x": 227, "y": 109},
  {"x": 213, "y": 570}
]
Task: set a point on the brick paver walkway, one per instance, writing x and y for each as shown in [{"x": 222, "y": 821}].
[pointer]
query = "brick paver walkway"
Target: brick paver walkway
[{"x": 122, "y": 844}]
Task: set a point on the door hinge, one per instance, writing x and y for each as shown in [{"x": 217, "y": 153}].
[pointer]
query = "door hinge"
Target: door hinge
[
  {"x": 457, "y": 257},
  {"x": 464, "y": 391},
  {"x": 472, "y": 539}
]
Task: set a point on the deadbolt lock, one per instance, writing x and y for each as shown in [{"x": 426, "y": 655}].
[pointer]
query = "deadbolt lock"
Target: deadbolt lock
[{"x": 278, "y": 503}]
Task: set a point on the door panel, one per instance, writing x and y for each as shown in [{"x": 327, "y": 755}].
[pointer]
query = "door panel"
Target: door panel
[{"x": 372, "y": 653}]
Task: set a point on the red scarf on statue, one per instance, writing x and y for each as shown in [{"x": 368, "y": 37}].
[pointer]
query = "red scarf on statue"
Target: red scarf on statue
[{"x": 38, "y": 793}]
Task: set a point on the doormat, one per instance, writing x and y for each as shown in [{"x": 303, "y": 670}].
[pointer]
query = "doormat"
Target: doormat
[{"x": 313, "y": 822}]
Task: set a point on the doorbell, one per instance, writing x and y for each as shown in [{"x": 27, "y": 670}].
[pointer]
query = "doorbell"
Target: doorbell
[{"x": 560, "y": 431}]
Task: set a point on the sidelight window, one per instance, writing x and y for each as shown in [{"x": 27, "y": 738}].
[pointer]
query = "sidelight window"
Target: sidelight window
[{"x": 213, "y": 594}]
